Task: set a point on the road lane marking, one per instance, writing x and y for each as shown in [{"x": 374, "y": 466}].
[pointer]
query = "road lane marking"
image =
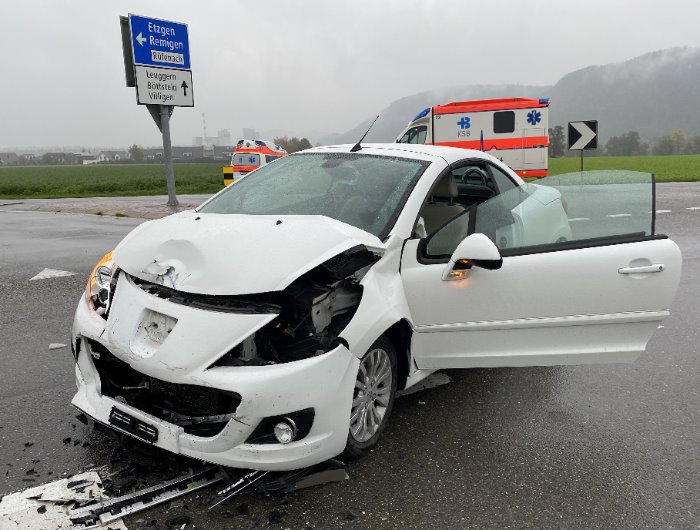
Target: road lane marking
[
  {"x": 663, "y": 211},
  {"x": 619, "y": 215},
  {"x": 693, "y": 208},
  {"x": 51, "y": 273},
  {"x": 579, "y": 219},
  {"x": 57, "y": 345}
]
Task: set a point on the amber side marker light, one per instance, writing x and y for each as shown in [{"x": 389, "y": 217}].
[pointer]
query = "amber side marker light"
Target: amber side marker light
[{"x": 460, "y": 269}]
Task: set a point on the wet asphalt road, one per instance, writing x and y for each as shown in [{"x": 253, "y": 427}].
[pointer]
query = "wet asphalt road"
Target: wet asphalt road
[{"x": 614, "y": 446}]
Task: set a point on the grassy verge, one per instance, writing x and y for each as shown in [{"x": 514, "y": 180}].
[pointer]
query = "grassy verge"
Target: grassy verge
[
  {"x": 149, "y": 179},
  {"x": 38, "y": 182},
  {"x": 666, "y": 168}
]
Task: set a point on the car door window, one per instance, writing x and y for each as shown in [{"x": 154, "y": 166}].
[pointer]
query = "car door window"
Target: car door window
[
  {"x": 443, "y": 242},
  {"x": 569, "y": 211},
  {"x": 503, "y": 181},
  {"x": 474, "y": 183}
]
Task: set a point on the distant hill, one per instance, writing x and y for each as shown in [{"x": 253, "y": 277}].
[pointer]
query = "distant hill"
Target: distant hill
[{"x": 652, "y": 94}]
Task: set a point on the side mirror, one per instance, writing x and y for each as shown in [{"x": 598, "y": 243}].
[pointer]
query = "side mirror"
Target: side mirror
[{"x": 475, "y": 250}]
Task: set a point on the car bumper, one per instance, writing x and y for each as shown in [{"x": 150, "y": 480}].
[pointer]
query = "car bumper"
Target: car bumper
[{"x": 324, "y": 383}]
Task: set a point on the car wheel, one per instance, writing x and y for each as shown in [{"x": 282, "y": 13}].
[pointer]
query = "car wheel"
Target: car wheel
[{"x": 373, "y": 397}]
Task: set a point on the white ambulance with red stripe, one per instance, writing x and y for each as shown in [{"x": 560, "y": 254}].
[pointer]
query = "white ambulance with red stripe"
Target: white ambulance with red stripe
[
  {"x": 249, "y": 155},
  {"x": 514, "y": 130}
]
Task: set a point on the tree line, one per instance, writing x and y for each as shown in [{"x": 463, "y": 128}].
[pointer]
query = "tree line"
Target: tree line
[{"x": 631, "y": 144}]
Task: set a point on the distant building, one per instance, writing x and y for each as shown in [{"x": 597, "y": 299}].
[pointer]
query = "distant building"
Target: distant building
[
  {"x": 153, "y": 153},
  {"x": 86, "y": 158},
  {"x": 56, "y": 158},
  {"x": 187, "y": 153},
  {"x": 9, "y": 159},
  {"x": 113, "y": 156},
  {"x": 223, "y": 137},
  {"x": 251, "y": 134},
  {"x": 223, "y": 152},
  {"x": 179, "y": 153}
]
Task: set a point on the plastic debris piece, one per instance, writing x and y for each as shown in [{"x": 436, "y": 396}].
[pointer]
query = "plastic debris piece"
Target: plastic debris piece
[{"x": 433, "y": 380}]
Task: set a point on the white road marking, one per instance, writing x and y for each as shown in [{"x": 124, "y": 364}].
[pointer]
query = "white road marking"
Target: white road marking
[
  {"x": 51, "y": 273},
  {"x": 662, "y": 211},
  {"x": 619, "y": 215},
  {"x": 579, "y": 219},
  {"x": 57, "y": 346},
  {"x": 18, "y": 510},
  {"x": 693, "y": 208}
]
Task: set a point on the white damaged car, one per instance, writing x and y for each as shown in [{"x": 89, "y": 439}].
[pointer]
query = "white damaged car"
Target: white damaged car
[{"x": 272, "y": 327}]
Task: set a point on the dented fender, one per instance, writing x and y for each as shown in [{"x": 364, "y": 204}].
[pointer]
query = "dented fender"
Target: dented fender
[{"x": 383, "y": 301}]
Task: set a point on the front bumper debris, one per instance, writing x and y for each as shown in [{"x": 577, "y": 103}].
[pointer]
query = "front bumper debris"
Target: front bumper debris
[{"x": 237, "y": 399}]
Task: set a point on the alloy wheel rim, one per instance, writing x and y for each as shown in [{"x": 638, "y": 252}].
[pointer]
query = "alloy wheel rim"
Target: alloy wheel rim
[{"x": 371, "y": 396}]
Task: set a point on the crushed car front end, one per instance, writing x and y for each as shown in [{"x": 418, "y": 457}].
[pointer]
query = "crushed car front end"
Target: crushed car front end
[{"x": 257, "y": 381}]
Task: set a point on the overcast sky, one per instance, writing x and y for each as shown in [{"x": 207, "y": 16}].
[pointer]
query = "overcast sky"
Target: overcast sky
[{"x": 303, "y": 66}]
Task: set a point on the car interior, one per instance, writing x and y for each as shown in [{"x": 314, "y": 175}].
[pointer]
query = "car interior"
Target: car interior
[{"x": 458, "y": 190}]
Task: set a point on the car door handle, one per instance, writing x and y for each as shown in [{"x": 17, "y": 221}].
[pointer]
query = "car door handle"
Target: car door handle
[{"x": 657, "y": 267}]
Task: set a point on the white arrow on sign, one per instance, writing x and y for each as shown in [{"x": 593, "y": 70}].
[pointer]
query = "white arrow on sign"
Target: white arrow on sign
[
  {"x": 587, "y": 134},
  {"x": 140, "y": 38}
]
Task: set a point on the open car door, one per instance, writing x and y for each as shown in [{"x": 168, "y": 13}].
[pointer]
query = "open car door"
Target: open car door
[{"x": 541, "y": 287}]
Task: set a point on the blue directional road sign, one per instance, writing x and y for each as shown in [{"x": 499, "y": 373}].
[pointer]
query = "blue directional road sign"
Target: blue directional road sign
[{"x": 159, "y": 43}]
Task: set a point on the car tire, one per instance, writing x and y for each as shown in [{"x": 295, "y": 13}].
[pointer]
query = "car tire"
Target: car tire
[{"x": 373, "y": 398}]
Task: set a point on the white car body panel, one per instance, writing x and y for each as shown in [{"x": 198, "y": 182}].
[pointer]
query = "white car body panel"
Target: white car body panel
[
  {"x": 538, "y": 309},
  {"x": 564, "y": 307},
  {"x": 324, "y": 382},
  {"x": 186, "y": 251}
]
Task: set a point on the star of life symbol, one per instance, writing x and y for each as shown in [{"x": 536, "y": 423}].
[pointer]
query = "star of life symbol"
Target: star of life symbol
[
  {"x": 464, "y": 123},
  {"x": 534, "y": 117},
  {"x": 251, "y": 159}
]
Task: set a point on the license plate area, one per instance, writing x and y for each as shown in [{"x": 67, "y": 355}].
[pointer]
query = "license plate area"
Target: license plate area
[
  {"x": 132, "y": 425},
  {"x": 152, "y": 332}
]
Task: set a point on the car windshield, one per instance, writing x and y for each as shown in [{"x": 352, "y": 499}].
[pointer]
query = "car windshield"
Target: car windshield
[{"x": 366, "y": 191}]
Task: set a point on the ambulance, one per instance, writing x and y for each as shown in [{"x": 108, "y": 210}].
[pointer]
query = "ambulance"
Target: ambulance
[
  {"x": 514, "y": 130},
  {"x": 248, "y": 156}
]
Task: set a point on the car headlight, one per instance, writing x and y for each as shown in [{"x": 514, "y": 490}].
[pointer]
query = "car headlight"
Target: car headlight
[{"x": 97, "y": 290}]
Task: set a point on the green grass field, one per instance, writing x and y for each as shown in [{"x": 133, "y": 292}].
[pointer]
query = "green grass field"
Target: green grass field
[
  {"x": 684, "y": 168},
  {"x": 149, "y": 179},
  {"x": 106, "y": 180}
]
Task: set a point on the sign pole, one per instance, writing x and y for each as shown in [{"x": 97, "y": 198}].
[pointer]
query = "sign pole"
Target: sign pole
[
  {"x": 168, "y": 154},
  {"x": 157, "y": 62},
  {"x": 583, "y": 135}
]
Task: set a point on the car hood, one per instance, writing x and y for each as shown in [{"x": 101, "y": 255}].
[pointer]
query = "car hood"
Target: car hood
[{"x": 230, "y": 254}]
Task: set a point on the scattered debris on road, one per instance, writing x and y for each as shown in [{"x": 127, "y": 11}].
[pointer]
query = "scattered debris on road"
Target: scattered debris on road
[
  {"x": 48, "y": 505},
  {"x": 433, "y": 380},
  {"x": 83, "y": 501}
]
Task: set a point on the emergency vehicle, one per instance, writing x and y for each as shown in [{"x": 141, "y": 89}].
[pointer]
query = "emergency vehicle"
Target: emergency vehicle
[
  {"x": 514, "y": 130},
  {"x": 248, "y": 156}
]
